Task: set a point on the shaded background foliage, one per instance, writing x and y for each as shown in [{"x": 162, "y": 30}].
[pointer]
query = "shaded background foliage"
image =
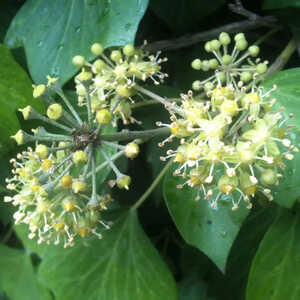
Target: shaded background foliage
[{"x": 175, "y": 248}]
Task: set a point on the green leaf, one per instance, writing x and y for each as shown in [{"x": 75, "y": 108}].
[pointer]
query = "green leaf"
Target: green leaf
[
  {"x": 287, "y": 95},
  {"x": 123, "y": 265},
  {"x": 276, "y": 4},
  {"x": 15, "y": 92},
  {"x": 17, "y": 277},
  {"x": 184, "y": 15},
  {"x": 193, "y": 287},
  {"x": 211, "y": 231},
  {"x": 52, "y": 32},
  {"x": 276, "y": 267},
  {"x": 240, "y": 257}
]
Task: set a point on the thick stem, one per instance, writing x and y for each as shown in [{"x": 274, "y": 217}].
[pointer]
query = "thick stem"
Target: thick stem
[
  {"x": 189, "y": 40},
  {"x": 152, "y": 186},
  {"x": 152, "y": 95},
  {"x": 131, "y": 135},
  {"x": 282, "y": 59}
]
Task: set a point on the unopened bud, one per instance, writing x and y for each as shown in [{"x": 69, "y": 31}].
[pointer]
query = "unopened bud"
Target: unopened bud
[
  {"x": 104, "y": 116},
  {"x": 80, "y": 157},
  {"x": 54, "y": 111},
  {"x": 128, "y": 50},
  {"x": 42, "y": 151},
  {"x": 78, "y": 61},
  {"x": 97, "y": 49},
  {"x": 66, "y": 181},
  {"x": 132, "y": 150}
]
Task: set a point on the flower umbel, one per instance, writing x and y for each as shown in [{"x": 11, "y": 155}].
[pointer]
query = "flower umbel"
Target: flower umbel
[
  {"x": 55, "y": 183},
  {"x": 231, "y": 141}
]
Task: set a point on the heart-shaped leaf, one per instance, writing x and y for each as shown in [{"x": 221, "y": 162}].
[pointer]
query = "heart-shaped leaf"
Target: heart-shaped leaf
[
  {"x": 275, "y": 269},
  {"x": 287, "y": 95},
  {"x": 211, "y": 231},
  {"x": 52, "y": 32},
  {"x": 123, "y": 265}
]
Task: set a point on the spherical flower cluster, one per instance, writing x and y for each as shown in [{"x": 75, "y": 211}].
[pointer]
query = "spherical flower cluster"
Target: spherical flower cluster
[
  {"x": 229, "y": 68},
  {"x": 55, "y": 184},
  {"x": 232, "y": 143},
  {"x": 50, "y": 200},
  {"x": 108, "y": 84}
]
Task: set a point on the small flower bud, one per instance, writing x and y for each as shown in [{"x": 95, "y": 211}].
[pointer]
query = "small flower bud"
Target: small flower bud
[
  {"x": 253, "y": 50},
  {"x": 80, "y": 157},
  {"x": 207, "y": 47},
  {"x": 208, "y": 86},
  {"x": 226, "y": 59},
  {"x": 54, "y": 111},
  {"x": 124, "y": 182},
  {"x": 66, "y": 181},
  {"x": 132, "y": 150},
  {"x": 241, "y": 44},
  {"x": 78, "y": 61},
  {"x": 224, "y": 38},
  {"x": 104, "y": 116},
  {"x": 246, "y": 76},
  {"x": 239, "y": 36},
  {"x": 221, "y": 76},
  {"x": 42, "y": 151},
  {"x": 116, "y": 56},
  {"x": 99, "y": 65},
  {"x": 213, "y": 63},
  {"x": 205, "y": 65},
  {"x": 268, "y": 177},
  {"x": 261, "y": 68},
  {"x": 63, "y": 144},
  {"x": 196, "y": 64},
  {"x": 128, "y": 50},
  {"x": 196, "y": 86},
  {"x": 215, "y": 45},
  {"x": 38, "y": 90},
  {"x": 97, "y": 49},
  {"x": 78, "y": 187},
  {"x": 124, "y": 91}
]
